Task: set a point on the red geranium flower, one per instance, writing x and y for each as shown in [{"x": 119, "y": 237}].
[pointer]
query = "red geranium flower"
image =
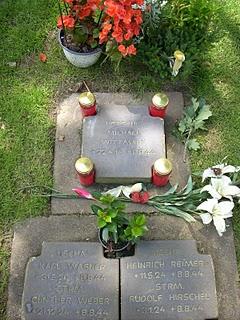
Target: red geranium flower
[
  {"x": 68, "y": 21},
  {"x": 131, "y": 50}
]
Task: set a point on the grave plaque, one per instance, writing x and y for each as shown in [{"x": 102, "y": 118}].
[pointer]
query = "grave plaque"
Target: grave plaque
[
  {"x": 71, "y": 281},
  {"x": 168, "y": 280},
  {"x": 123, "y": 142}
]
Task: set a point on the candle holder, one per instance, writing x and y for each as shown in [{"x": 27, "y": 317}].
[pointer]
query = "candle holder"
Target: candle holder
[
  {"x": 159, "y": 104},
  {"x": 161, "y": 171},
  {"x": 87, "y": 103},
  {"x": 86, "y": 172}
]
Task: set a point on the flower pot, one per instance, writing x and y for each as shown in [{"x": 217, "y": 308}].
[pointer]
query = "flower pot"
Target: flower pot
[
  {"x": 79, "y": 59},
  {"x": 118, "y": 247}
]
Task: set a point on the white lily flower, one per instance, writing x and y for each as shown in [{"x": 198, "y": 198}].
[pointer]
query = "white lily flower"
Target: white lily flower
[
  {"x": 115, "y": 192},
  {"x": 237, "y": 169},
  {"x": 216, "y": 211},
  {"x": 218, "y": 171},
  {"x": 126, "y": 190},
  {"x": 222, "y": 188}
]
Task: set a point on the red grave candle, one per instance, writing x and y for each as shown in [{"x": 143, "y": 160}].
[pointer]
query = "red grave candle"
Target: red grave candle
[
  {"x": 158, "y": 107},
  {"x": 86, "y": 172},
  {"x": 161, "y": 171},
  {"x": 87, "y": 103}
]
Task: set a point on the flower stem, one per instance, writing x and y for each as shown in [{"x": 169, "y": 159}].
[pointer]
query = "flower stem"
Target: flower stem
[{"x": 63, "y": 27}]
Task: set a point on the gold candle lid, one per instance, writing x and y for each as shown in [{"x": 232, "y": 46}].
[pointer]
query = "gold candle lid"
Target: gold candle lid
[
  {"x": 162, "y": 166},
  {"x": 160, "y": 100},
  {"x": 84, "y": 165},
  {"x": 87, "y": 99},
  {"x": 179, "y": 55}
]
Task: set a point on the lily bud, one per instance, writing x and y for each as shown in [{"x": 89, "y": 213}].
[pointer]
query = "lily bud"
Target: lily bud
[{"x": 179, "y": 59}]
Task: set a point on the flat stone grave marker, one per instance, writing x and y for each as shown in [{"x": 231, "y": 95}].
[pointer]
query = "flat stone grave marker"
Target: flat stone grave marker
[
  {"x": 71, "y": 281},
  {"x": 123, "y": 142},
  {"x": 168, "y": 280}
]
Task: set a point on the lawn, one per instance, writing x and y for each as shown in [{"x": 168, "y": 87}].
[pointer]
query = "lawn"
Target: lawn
[{"x": 30, "y": 90}]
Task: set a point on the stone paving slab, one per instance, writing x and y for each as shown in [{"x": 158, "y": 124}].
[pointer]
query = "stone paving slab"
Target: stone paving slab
[
  {"x": 68, "y": 148},
  {"x": 30, "y": 234}
]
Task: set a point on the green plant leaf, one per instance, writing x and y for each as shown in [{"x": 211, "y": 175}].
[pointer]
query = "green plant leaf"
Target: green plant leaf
[
  {"x": 195, "y": 105},
  {"x": 140, "y": 220},
  {"x": 95, "y": 208},
  {"x": 108, "y": 219},
  {"x": 118, "y": 205},
  {"x": 193, "y": 144},
  {"x": 95, "y": 33},
  {"x": 105, "y": 234},
  {"x": 137, "y": 231},
  {"x": 107, "y": 199},
  {"x": 94, "y": 44},
  {"x": 182, "y": 126},
  {"x": 116, "y": 57},
  {"x": 96, "y": 15},
  {"x": 112, "y": 227},
  {"x": 127, "y": 231},
  {"x": 101, "y": 223},
  {"x": 204, "y": 114},
  {"x": 109, "y": 46},
  {"x": 112, "y": 213},
  {"x": 189, "y": 186},
  {"x": 97, "y": 195},
  {"x": 172, "y": 190}
]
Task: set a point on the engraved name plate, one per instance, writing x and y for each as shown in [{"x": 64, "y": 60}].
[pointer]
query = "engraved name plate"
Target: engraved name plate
[
  {"x": 168, "y": 280},
  {"x": 123, "y": 142},
  {"x": 71, "y": 281}
]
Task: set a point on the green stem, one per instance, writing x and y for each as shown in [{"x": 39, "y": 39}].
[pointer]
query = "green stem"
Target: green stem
[
  {"x": 61, "y": 15},
  {"x": 186, "y": 145}
]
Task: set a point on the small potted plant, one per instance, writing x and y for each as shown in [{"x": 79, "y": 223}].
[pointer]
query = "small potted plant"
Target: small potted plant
[
  {"x": 87, "y": 25},
  {"x": 78, "y": 25},
  {"x": 118, "y": 231}
]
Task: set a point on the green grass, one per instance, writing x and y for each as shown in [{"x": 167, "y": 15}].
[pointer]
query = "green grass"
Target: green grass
[{"x": 29, "y": 92}]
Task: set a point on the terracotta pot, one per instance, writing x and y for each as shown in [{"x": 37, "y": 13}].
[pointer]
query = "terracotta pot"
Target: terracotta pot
[{"x": 79, "y": 59}]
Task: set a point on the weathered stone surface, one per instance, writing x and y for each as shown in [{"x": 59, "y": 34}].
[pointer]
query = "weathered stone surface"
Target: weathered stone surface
[
  {"x": 123, "y": 142},
  {"x": 29, "y": 235},
  {"x": 27, "y": 242},
  {"x": 168, "y": 280},
  {"x": 67, "y": 150},
  {"x": 71, "y": 280}
]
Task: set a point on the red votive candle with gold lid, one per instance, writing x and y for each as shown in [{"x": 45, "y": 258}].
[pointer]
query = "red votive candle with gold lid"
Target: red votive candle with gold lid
[
  {"x": 159, "y": 104},
  {"x": 86, "y": 172},
  {"x": 87, "y": 103},
  {"x": 161, "y": 171}
]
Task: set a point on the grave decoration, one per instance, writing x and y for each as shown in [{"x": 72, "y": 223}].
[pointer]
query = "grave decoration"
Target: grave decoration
[
  {"x": 159, "y": 105},
  {"x": 161, "y": 171},
  {"x": 86, "y": 27},
  {"x": 87, "y": 103},
  {"x": 123, "y": 145},
  {"x": 211, "y": 202},
  {"x": 86, "y": 171},
  {"x": 118, "y": 232}
]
